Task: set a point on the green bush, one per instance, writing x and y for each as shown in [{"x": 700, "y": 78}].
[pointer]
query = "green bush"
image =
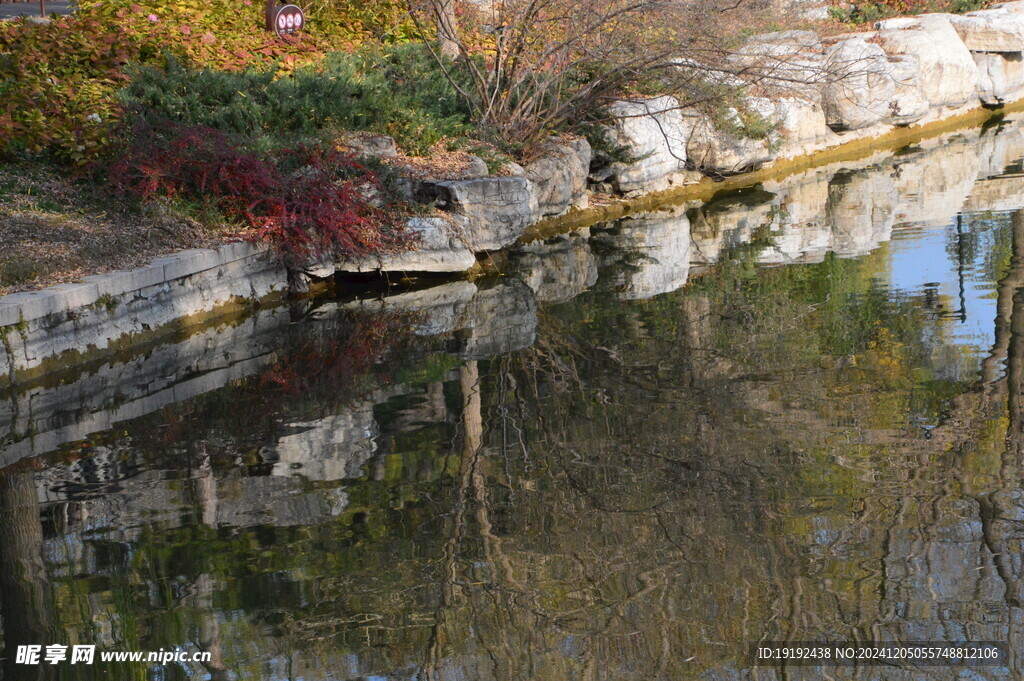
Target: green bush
[{"x": 398, "y": 91}]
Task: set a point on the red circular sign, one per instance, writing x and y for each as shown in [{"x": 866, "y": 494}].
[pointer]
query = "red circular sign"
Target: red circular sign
[{"x": 288, "y": 20}]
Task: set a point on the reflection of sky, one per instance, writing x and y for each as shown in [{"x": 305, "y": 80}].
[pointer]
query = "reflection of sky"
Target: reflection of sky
[
  {"x": 920, "y": 258},
  {"x": 923, "y": 263}
]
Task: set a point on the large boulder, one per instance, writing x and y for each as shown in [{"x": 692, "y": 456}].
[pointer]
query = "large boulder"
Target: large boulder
[
  {"x": 1001, "y": 76},
  {"x": 947, "y": 73},
  {"x": 781, "y": 44},
  {"x": 654, "y": 133},
  {"x": 493, "y": 211},
  {"x": 559, "y": 175},
  {"x": 787, "y": 62},
  {"x": 439, "y": 246},
  {"x": 990, "y": 30},
  {"x": 801, "y": 127},
  {"x": 723, "y": 146},
  {"x": 369, "y": 144},
  {"x": 860, "y": 87},
  {"x": 908, "y": 102}
]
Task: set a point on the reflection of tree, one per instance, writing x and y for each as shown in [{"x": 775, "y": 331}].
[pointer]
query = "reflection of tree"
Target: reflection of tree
[
  {"x": 24, "y": 599},
  {"x": 639, "y": 494}
]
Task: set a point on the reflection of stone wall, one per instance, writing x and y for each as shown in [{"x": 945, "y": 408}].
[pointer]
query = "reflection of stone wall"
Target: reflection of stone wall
[{"x": 480, "y": 321}]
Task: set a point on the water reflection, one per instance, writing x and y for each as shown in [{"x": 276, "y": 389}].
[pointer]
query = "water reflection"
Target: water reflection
[{"x": 583, "y": 469}]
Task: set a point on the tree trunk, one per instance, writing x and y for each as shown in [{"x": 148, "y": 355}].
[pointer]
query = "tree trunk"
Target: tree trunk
[{"x": 447, "y": 27}]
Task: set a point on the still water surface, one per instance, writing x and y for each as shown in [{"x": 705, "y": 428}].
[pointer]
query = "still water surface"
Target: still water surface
[{"x": 793, "y": 413}]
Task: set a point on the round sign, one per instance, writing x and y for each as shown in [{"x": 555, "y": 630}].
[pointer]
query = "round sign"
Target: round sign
[{"x": 289, "y": 20}]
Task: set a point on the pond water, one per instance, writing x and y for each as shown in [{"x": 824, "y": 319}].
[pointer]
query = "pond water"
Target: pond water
[{"x": 790, "y": 414}]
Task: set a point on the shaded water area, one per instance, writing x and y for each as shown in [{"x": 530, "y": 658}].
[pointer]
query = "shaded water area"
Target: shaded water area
[{"x": 794, "y": 413}]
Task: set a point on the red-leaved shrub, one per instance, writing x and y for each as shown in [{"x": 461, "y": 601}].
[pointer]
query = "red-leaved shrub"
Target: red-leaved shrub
[{"x": 306, "y": 201}]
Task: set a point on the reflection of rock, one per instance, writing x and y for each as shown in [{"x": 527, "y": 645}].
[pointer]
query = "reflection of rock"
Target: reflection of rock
[
  {"x": 720, "y": 225},
  {"x": 932, "y": 186},
  {"x": 273, "y": 500},
  {"x": 149, "y": 497},
  {"x": 644, "y": 256},
  {"x": 802, "y": 232},
  {"x": 558, "y": 269},
  {"x": 500, "y": 319},
  {"x": 436, "y": 310},
  {"x": 861, "y": 210},
  {"x": 122, "y": 390},
  {"x": 484, "y": 321},
  {"x": 996, "y": 193},
  {"x": 999, "y": 148},
  {"x": 331, "y": 448}
]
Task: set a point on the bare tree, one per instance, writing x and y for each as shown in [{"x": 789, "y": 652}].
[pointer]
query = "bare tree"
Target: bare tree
[{"x": 531, "y": 67}]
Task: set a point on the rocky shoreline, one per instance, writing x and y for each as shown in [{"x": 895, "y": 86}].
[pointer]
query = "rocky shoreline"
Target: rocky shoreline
[
  {"x": 907, "y": 74},
  {"x": 840, "y": 90}
]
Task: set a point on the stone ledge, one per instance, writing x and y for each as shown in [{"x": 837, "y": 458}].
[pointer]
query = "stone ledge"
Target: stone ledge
[{"x": 17, "y": 308}]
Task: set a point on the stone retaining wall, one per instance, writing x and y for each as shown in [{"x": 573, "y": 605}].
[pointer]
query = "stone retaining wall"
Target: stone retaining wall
[
  {"x": 109, "y": 312},
  {"x": 906, "y": 72}
]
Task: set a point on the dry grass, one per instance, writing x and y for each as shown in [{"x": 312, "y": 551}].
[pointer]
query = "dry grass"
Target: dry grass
[{"x": 54, "y": 230}]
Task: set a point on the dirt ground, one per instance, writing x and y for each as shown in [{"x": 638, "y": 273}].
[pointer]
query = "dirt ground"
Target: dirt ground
[{"x": 55, "y": 230}]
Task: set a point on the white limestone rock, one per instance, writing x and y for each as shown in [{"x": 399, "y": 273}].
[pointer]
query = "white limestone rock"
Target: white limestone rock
[
  {"x": 440, "y": 247},
  {"x": 1001, "y": 76},
  {"x": 947, "y": 74},
  {"x": 801, "y": 127},
  {"x": 492, "y": 211},
  {"x": 860, "y": 87},
  {"x": 788, "y": 62},
  {"x": 908, "y": 103},
  {"x": 655, "y": 133},
  {"x": 559, "y": 176},
  {"x": 990, "y": 30},
  {"x": 714, "y": 149}
]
